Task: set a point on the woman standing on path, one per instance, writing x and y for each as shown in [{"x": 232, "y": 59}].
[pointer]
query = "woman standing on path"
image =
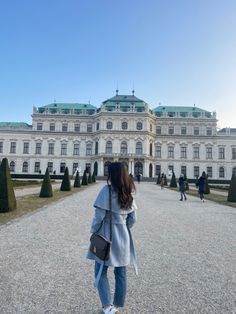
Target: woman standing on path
[
  {"x": 122, "y": 248},
  {"x": 201, "y": 183}
]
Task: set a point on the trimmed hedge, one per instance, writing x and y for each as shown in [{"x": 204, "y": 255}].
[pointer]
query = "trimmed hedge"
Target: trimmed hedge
[
  {"x": 46, "y": 188},
  {"x": 65, "y": 185}
]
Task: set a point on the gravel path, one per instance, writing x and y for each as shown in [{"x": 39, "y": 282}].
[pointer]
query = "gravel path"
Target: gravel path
[{"x": 186, "y": 255}]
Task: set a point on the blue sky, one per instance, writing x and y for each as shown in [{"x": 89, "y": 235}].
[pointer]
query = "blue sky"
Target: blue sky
[{"x": 174, "y": 52}]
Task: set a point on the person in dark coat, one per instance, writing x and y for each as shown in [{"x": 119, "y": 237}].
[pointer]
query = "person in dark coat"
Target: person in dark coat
[
  {"x": 182, "y": 187},
  {"x": 201, "y": 183},
  {"x": 138, "y": 177}
]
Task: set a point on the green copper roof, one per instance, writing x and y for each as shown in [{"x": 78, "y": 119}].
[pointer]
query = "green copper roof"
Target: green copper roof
[
  {"x": 69, "y": 106},
  {"x": 181, "y": 110},
  {"x": 15, "y": 125},
  {"x": 124, "y": 100}
]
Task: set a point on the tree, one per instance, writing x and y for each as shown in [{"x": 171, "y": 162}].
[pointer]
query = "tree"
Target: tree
[
  {"x": 90, "y": 178},
  {"x": 7, "y": 194},
  {"x": 232, "y": 189},
  {"x": 65, "y": 185},
  {"x": 207, "y": 188},
  {"x": 77, "y": 180},
  {"x": 85, "y": 179},
  {"x": 93, "y": 177},
  {"x": 46, "y": 188},
  {"x": 173, "y": 183},
  {"x": 158, "y": 178}
]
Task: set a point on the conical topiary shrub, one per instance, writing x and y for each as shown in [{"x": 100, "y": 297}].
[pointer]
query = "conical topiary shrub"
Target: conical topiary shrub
[
  {"x": 173, "y": 183},
  {"x": 7, "y": 194},
  {"x": 232, "y": 189},
  {"x": 46, "y": 188},
  {"x": 90, "y": 178},
  {"x": 165, "y": 180},
  {"x": 93, "y": 177},
  {"x": 84, "y": 179},
  {"x": 158, "y": 178},
  {"x": 77, "y": 180},
  {"x": 65, "y": 185},
  {"x": 207, "y": 188}
]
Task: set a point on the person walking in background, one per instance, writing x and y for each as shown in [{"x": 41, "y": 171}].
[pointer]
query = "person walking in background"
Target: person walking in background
[
  {"x": 201, "y": 183},
  {"x": 122, "y": 247},
  {"x": 182, "y": 187},
  {"x": 162, "y": 183},
  {"x": 138, "y": 177}
]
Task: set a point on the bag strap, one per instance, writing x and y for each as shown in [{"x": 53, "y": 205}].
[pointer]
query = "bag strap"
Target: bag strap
[{"x": 110, "y": 212}]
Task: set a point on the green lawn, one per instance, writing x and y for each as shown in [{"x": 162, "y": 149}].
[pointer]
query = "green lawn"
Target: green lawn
[{"x": 30, "y": 203}]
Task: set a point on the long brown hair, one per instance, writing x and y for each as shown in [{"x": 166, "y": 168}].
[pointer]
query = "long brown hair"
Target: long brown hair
[{"x": 122, "y": 183}]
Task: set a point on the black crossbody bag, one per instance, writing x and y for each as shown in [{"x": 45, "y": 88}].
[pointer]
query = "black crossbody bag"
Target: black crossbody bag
[{"x": 99, "y": 245}]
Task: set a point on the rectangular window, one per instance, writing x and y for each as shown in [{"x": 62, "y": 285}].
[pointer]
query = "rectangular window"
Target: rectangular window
[
  {"x": 39, "y": 126},
  {"x": 158, "y": 151},
  {"x": 170, "y": 151},
  {"x": 171, "y": 130},
  {"x": 77, "y": 127},
  {"x": 63, "y": 148},
  {"x": 36, "y": 166},
  {"x": 38, "y": 148},
  {"x": 50, "y": 166},
  {"x": 50, "y": 148},
  {"x": 158, "y": 170},
  {"x": 209, "y": 172},
  {"x": 209, "y": 131},
  {"x": 1, "y": 147},
  {"x": 64, "y": 127},
  {"x": 89, "y": 127},
  {"x": 221, "y": 153},
  {"x": 183, "y": 152},
  {"x": 75, "y": 168},
  {"x": 158, "y": 130},
  {"x": 209, "y": 153},
  {"x": 183, "y": 130},
  {"x": 76, "y": 149},
  {"x": 196, "y": 131},
  {"x": 52, "y": 127},
  {"x": 89, "y": 149},
  {"x": 233, "y": 152},
  {"x": 62, "y": 167},
  {"x": 88, "y": 167},
  {"x": 196, "y": 152},
  {"x": 13, "y": 148},
  {"x": 196, "y": 171},
  {"x": 184, "y": 170},
  {"x": 171, "y": 169},
  {"x": 26, "y": 148}
]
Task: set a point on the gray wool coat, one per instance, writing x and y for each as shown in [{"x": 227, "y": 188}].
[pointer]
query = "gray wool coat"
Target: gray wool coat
[{"x": 122, "y": 248}]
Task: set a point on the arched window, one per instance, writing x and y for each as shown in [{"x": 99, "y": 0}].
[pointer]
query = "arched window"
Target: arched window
[
  {"x": 25, "y": 166},
  {"x": 221, "y": 172},
  {"x": 139, "y": 148},
  {"x": 138, "y": 168},
  {"x": 124, "y": 125},
  {"x": 108, "y": 147},
  {"x": 109, "y": 125},
  {"x": 123, "y": 148},
  {"x": 139, "y": 126},
  {"x": 12, "y": 166}
]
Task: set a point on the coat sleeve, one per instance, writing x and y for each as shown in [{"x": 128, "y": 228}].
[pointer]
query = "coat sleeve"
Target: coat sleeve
[
  {"x": 131, "y": 219},
  {"x": 97, "y": 219}
]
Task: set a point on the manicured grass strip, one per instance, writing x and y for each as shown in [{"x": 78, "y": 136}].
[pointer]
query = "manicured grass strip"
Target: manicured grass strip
[{"x": 29, "y": 203}]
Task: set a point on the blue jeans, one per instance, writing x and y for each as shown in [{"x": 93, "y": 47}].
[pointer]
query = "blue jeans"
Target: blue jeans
[{"x": 104, "y": 288}]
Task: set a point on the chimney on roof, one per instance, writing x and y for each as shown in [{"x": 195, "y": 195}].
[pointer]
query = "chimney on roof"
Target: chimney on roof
[
  {"x": 117, "y": 92},
  {"x": 133, "y": 92}
]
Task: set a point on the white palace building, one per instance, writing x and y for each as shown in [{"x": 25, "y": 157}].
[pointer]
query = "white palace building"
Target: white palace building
[{"x": 123, "y": 128}]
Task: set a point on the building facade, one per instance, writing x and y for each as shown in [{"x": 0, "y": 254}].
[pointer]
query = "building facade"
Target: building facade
[{"x": 123, "y": 128}]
